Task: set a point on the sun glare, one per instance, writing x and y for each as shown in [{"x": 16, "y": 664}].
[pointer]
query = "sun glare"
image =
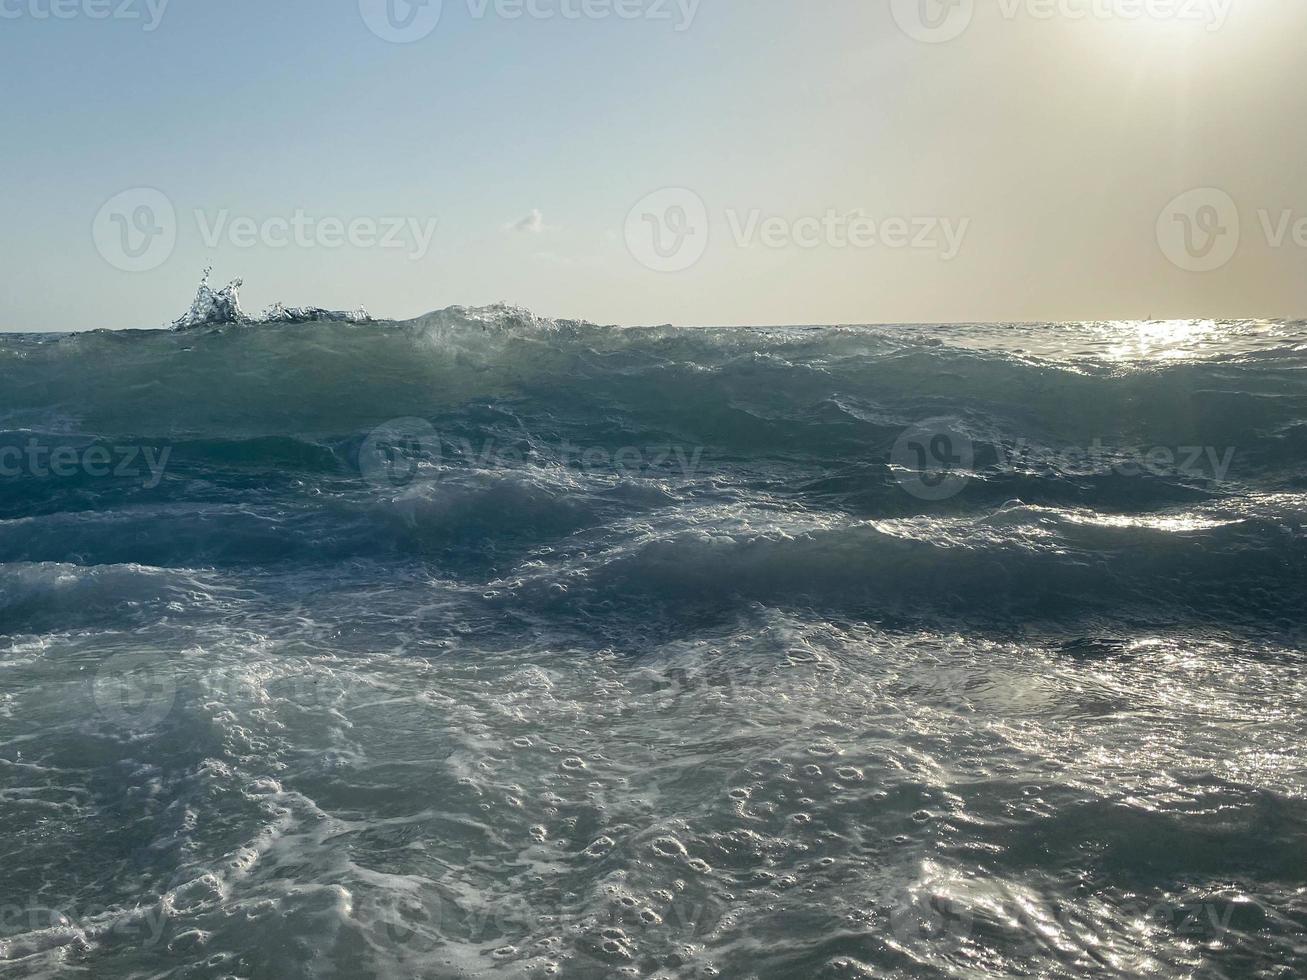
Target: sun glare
[{"x": 1161, "y": 340}]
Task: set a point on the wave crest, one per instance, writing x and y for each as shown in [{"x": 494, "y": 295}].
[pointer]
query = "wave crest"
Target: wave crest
[{"x": 223, "y": 306}]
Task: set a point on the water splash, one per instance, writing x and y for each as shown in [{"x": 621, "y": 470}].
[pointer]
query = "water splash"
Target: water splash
[
  {"x": 223, "y": 306},
  {"x": 210, "y": 307}
]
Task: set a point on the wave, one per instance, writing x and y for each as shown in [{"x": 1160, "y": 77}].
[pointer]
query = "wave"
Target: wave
[
  {"x": 366, "y": 636},
  {"x": 61, "y": 596},
  {"x": 691, "y": 467},
  {"x": 1240, "y": 563},
  {"x": 835, "y": 393},
  {"x": 223, "y": 306}
]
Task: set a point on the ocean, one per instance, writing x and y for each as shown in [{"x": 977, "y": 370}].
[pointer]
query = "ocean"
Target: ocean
[{"x": 484, "y": 644}]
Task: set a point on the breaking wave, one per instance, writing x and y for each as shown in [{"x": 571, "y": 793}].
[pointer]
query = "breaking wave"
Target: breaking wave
[{"x": 485, "y": 641}]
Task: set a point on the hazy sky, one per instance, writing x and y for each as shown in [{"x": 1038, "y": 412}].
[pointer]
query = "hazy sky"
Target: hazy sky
[{"x": 648, "y": 161}]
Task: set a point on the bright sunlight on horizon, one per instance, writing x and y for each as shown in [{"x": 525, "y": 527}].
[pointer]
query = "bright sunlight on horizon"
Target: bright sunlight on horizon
[{"x": 681, "y": 161}]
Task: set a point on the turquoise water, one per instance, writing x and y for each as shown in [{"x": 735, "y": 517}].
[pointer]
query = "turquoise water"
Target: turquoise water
[{"x": 490, "y": 645}]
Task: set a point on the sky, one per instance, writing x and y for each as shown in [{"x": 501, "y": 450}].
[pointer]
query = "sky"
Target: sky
[{"x": 655, "y": 161}]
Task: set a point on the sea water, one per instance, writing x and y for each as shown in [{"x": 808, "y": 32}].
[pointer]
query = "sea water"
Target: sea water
[{"x": 484, "y": 644}]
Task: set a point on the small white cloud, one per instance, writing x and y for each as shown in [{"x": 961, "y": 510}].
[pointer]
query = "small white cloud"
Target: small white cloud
[{"x": 533, "y": 223}]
